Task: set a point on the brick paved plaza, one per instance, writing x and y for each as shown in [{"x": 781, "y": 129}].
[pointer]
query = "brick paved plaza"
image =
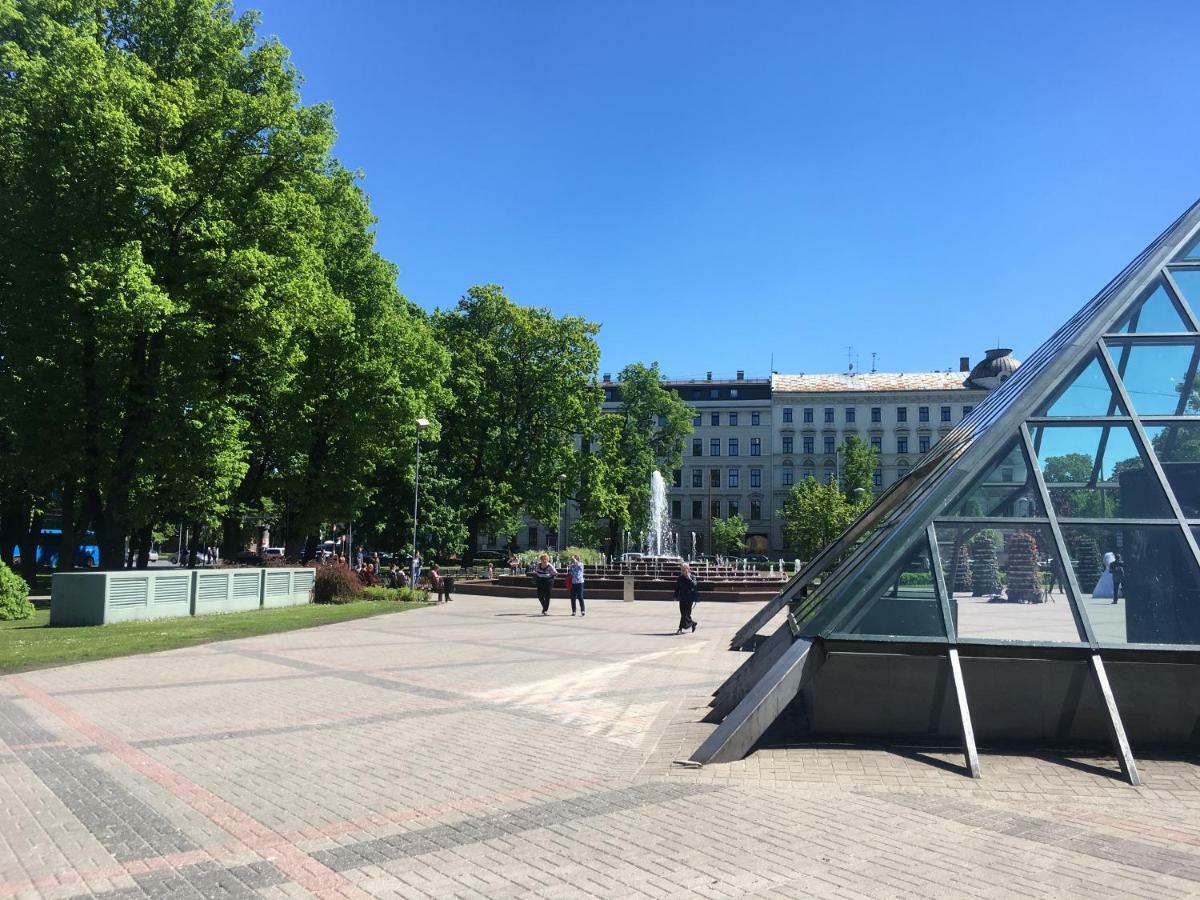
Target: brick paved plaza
[{"x": 479, "y": 750}]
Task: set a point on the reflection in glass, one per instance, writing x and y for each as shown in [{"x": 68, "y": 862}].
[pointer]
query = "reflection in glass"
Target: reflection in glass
[
  {"x": 1139, "y": 583},
  {"x": 1005, "y": 583},
  {"x": 1006, "y": 489},
  {"x": 1096, "y": 472},
  {"x": 1193, "y": 250},
  {"x": 1155, "y": 376},
  {"x": 1156, "y": 313},
  {"x": 905, "y": 605},
  {"x": 1087, "y": 394},
  {"x": 1177, "y": 447},
  {"x": 1188, "y": 281}
]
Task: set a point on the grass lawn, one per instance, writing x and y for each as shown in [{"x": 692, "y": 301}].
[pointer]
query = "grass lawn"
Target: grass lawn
[{"x": 32, "y": 644}]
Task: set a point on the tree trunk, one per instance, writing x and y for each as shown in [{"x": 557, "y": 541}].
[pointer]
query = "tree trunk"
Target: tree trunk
[
  {"x": 310, "y": 548},
  {"x": 232, "y": 537},
  {"x": 14, "y": 525},
  {"x": 144, "y": 540},
  {"x": 29, "y": 547},
  {"x": 193, "y": 544},
  {"x": 70, "y": 539},
  {"x": 474, "y": 523}
]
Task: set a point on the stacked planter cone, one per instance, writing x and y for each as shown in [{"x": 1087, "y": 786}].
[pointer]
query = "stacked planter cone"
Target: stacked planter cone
[
  {"x": 984, "y": 579},
  {"x": 1086, "y": 553},
  {"x": 1024, "y": 576}
]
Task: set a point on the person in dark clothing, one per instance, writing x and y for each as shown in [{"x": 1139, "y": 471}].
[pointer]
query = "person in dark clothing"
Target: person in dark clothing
[
  {"x": 544, "y": 574},
  {"x": 1117, "y": 569},
  {"x": 687, "y": 595}
]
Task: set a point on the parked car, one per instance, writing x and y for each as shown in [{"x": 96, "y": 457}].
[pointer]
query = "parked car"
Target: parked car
[
  {"x": 706, "y": 557},
  {"x": 276, "y": 552},
  {"x": 152, "y": 555},
  {"x": 757, "y": 558},
  {"x": 632, "y": 557},
  {"x": 486, "y": 556}
]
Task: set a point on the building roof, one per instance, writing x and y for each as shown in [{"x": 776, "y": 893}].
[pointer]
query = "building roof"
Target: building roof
[{"x": 870, "y": 381}]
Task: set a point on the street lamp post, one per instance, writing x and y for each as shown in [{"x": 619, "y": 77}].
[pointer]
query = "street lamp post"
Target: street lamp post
[
  {"x": 558, "y": 538},
  {"x": 422, "y": 424}
]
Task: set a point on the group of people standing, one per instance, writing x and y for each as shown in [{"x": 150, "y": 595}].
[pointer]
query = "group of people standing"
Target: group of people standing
[{"x": 544, "y": 573}]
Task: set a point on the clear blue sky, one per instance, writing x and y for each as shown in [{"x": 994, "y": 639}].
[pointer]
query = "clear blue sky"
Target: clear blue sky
[{"x": 720, "y": 182}]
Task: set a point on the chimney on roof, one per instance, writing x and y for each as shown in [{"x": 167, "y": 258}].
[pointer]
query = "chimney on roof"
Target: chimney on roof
[
  {"x": 964, "y": 364},
  {"x": 741, "y": 375},
  {"x": 708, "y": 376},
  {"x": 608, "y": 377}
]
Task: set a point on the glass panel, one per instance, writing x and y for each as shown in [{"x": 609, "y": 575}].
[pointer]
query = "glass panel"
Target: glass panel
[
  {"x": 1005, "y": 583},
  {"x": 1088, "y": 394},
  {"x": 1156, "y": 313},
  {"x": 1006, "y": 489},
  {"x": 904, "y": 606},
  {"x": 1193, "y": 251},
  {"x": 1139, "y": 584},
  {"x": 1155, "y": 375},
  {"x": 1189, "y": 285},
  {"x": 1096, "y": 472},
  {"x": 1177, "y": 447}
]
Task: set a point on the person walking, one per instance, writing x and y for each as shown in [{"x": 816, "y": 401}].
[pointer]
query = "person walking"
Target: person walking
[
  {"x": 575, "y": 573},
  {"x": 687, "y": 595},
  {"x": 1117, "y": 569},
  {"x": 544, "y": 574}
]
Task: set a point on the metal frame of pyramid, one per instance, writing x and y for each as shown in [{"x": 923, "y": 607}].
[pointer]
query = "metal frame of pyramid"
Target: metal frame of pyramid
[{"x": 834, "y": 603}]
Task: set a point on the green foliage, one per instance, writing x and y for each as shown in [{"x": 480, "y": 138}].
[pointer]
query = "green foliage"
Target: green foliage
[
  {"x": 647, "y": 432},
  {"x": 14, "y": 595},
  {"x": 336, "y": 583},
  {"x": 815, "y": 514},
  {"x": 523, "y": 383},
  {"x": 859, "y": 461},
  {"x": 587, "y": 556},
  {"x": 728, "y": 535},
  {"x": 193, "y": 303},
  {"x": 396, "y": 595}
]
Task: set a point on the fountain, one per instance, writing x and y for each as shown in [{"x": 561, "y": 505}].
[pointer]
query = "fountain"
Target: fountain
[{"x": 658, "y": 541}]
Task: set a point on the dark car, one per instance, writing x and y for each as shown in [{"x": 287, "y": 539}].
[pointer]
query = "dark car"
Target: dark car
[
  {"x": 486, "y": 556},
  {"x": 757, "y": 558},
  {"x": 706, "y": 557}
]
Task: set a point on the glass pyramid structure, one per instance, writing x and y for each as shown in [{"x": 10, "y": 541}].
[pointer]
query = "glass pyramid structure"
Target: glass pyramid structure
[{"x": 1060, "y": 519}]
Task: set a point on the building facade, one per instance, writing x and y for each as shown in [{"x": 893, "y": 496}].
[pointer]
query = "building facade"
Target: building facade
[{"x": 754, "y": 438}]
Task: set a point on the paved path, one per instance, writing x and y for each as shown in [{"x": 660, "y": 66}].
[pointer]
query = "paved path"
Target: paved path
[{"x": 476, "y": 750}]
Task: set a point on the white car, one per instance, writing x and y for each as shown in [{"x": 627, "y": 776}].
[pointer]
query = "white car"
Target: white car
[
  {"x": 273, "y": 552},
  {"x": 153, "y": 556}
]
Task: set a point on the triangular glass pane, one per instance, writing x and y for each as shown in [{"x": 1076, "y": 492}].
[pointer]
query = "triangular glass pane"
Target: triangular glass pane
[
  {"x": 905, "y": 605},
  {"x": 1157, "y": 313},
  {"x": 1005, "y": 584},
  {"x": 1006, "y": 488},
  {"x": 1096, "y": 472},
  {"x": 1189, "y": 285},
  {"x": 1177, "y": 447},
  {"x": 1160, "y": 378},
  {"x": 1087, "y": 394},
  {"x": 1192, "y": 252},
  {"x": 1138, "y": 583}
]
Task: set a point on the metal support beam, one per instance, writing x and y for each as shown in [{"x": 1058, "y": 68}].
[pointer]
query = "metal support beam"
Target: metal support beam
[
  {"x": 770, "y": 609},
  {"x": 742, "y": 728},
  {"x": 739, "y": 684},
  {"x": 964, "y": 713},
  {"x": 1116, "y": 729}
]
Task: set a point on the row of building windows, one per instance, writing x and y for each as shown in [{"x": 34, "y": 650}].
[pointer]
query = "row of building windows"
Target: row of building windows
[
  {"x": 732, "y": 508},
  {"x": 731, "y": 419},
  {"x": 733, "y": 445},
  {"x": 851, "y": 414},
  {"x": 732, "y": 478}
]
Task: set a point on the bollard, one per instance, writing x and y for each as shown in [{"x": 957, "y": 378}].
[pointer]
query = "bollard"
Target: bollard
[{"x": 628, "y": 598}]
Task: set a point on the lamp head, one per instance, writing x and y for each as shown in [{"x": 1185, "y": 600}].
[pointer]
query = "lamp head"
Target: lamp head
[{"x": 422, "y": 424}]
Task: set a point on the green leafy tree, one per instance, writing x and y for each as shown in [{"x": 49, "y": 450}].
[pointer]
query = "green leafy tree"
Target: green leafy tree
[
  {"x": 729, "y": 535},
  {"x": 815, "y": 514},
  {"x": 645, "y": 433},
  {"x": 859, "y": 461},
  {"x": 191, "y": 300},
  {"x": 523, "y": 383}
]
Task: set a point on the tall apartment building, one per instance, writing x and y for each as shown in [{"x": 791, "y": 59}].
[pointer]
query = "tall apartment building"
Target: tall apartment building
[{"x": 753, "y": 438}]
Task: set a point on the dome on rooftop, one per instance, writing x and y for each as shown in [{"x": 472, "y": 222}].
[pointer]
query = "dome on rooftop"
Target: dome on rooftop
[{"x": 993, "y": 370}]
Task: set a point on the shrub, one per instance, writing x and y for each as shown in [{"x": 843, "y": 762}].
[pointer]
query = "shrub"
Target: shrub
[
  {"x": 336, "y": 584},
  {"x": 14, "y": 595},
  {"x": 586, "y": 556},
  {"x": 398, "y": 595}
]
